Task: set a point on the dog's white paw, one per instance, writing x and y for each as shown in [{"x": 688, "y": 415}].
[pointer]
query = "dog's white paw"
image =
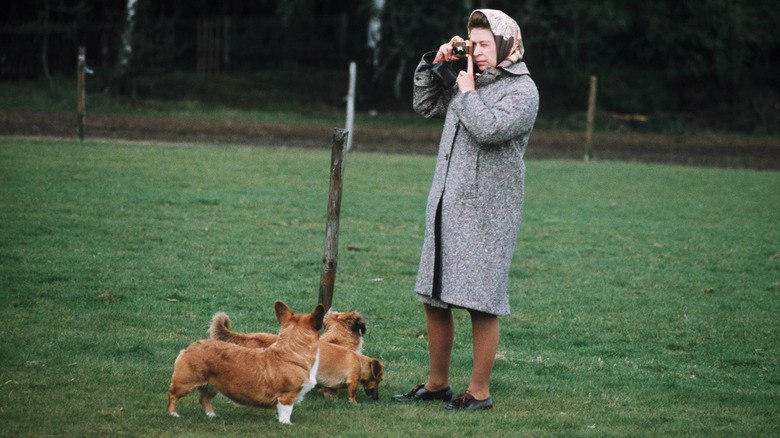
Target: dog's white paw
[
  {"x": 283, "y": 413},
  {"x": 174, "y": 414},
  {"x": 211, "y": 414}
]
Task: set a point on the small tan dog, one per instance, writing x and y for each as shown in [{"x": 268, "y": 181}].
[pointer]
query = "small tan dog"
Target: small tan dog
[
  {"x": 342, "y": 368},
  {"x": 279, "y": 375},
  {"x": 341, "y": 364},
  {"x": 345, "y": 329}
]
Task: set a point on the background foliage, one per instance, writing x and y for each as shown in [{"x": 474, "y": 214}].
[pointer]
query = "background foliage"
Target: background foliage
[{"x": 708, "y": 62}]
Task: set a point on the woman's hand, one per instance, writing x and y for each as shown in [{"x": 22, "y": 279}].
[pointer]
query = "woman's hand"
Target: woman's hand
[
  {"x": 445, "y": 51},
  {"x": 465, "y": 79}
]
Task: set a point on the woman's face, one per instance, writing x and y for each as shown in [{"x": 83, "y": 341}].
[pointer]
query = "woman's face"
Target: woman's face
[{"x": 484, "y": 48}]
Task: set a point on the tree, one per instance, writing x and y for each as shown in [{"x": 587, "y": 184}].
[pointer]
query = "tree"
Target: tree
[
  {"x": 45, "y": 46},
  {"x": 375, "y": 32},
  {"x": 47, "y": 27},
  {"x": 409, "y": 28},
  {"x": 125, "y": 51}
]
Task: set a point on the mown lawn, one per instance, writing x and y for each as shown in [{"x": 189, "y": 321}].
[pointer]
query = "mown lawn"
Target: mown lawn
[{"x": 645, "y": 297}]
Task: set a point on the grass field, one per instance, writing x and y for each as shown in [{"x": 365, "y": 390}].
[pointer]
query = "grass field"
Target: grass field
[{"x": 645, "y": 297}]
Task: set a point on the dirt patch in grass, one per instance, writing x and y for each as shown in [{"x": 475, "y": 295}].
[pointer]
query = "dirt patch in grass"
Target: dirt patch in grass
[{"x": 697, "y": 150}]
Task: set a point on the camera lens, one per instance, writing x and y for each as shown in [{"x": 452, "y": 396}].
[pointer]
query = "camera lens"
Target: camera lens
[{"x": 461, "y": 49}]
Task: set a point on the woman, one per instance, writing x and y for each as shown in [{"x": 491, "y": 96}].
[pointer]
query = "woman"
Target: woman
[{"x": 476, "y": 199}]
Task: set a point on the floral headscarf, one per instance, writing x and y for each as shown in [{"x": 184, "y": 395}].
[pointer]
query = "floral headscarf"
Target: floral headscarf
[{"x": 509, "y": 42}]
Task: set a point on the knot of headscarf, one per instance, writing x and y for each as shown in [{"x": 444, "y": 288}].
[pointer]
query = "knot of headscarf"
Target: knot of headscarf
[{"x": 509, "y": 41}]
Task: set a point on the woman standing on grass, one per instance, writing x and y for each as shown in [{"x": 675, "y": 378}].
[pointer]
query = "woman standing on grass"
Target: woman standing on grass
[{"x": 476, "y": 199}]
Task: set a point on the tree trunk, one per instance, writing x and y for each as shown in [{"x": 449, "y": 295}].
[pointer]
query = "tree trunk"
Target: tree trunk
[
  {"x": 125, "y": 49},
  {"x": 375, "y": 32},
  {"x": 373, "y": 68},
  {"x": 45, "y": 48}
]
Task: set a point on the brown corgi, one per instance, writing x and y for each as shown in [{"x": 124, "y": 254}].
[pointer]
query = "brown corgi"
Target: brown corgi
[
  {"x": 340, "y": 346},
  {"x": 343, "y": 368},
  {"x": 279, "y": 375}
]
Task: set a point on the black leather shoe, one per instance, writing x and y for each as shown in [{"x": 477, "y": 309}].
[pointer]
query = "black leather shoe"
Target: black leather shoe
[
  {"x": 419, "y": 393},
  {"x": 467, "y": 401}
]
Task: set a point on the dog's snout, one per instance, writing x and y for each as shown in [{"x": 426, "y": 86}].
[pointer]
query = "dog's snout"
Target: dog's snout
[{"x": 373, "y": 393}]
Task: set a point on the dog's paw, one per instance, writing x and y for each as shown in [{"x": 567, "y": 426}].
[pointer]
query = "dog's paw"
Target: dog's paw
[
  {"x": 173, "y": 414},
  {"x": 283, "y": 413},
  {"x": 211, "y": 414}
]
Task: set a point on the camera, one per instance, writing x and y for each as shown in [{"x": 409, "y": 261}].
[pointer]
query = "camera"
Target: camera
[
  {"x": 462, "y": 49},
  {"x": 446, "y": 73}
]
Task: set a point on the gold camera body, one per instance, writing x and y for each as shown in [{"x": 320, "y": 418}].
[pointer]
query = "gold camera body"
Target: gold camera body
[{"x": 462, "y": 49}]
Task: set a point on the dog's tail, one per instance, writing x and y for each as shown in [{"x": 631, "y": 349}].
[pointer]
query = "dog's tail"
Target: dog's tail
[{"x": 220, "y": 327}]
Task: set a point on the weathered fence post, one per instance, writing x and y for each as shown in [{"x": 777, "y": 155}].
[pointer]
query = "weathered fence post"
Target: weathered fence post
[
  {"x": 591, "y": 116},
  {"x": 351, "y": 103},
  {"x": 80, "y": 107},
  {"x": 331, "y": 248}
]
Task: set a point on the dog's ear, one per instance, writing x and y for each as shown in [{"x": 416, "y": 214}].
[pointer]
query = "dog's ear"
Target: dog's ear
[
  {"x": 282, "y": 312},
  {"x": 358, "y": 323},
  {"x": 316, "y": 317},
  {"x": 376, "y": 368}
]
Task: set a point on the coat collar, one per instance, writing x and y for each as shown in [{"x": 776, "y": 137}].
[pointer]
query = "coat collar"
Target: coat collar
[
  {"x": 491, "y": 73},
  {"x": 518, "y": 69}
]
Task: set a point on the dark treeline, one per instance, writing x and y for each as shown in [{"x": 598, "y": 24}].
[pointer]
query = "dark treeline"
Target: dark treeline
[{"x": 714, "y": 61}]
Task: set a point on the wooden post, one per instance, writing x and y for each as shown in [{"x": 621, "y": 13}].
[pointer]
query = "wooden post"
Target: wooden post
[
  {"x": 351, "y": 103},
  {"x": 80, "y": 107},
  {"x": 331, "y": 248},
  {"x": 591, "y": 116}
]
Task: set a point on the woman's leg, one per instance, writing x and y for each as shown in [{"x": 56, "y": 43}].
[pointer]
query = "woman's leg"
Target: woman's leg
[
  {"x": 441, "y": 334},
  {"x": 485, "y": 332}
]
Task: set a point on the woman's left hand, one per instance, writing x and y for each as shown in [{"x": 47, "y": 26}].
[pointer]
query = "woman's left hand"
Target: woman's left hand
[{"x": 465, "y": 79}]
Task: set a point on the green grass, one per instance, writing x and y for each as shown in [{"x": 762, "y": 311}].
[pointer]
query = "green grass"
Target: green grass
[{"x": 645, "y": 297}]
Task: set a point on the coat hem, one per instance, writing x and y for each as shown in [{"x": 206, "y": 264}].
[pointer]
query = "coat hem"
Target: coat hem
[{"x": 427, "y": 299}]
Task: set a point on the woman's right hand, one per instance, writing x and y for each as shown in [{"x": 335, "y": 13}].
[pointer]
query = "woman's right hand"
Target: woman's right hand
[{"x": 445, "y": 51}]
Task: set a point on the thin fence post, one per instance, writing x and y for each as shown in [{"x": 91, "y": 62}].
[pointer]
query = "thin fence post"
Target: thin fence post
[
  {"x": 351, "y": 103},
  {"x": 591, "y": 116},
  {"x": 331, "y": 248},
  {"x": 80, "y": 107}
]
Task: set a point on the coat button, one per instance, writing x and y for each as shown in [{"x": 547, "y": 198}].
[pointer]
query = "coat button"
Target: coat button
[{"x": 446, "y": 157}]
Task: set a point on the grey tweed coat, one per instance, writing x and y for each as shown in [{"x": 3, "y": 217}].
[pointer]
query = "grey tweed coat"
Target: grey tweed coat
[{"x": 478, "y": 185}]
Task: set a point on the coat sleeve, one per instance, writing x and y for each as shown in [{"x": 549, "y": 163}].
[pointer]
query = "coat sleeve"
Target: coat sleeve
[
  {"x": 497, "y": 121},
  {"x": 429, "y": 98}
]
